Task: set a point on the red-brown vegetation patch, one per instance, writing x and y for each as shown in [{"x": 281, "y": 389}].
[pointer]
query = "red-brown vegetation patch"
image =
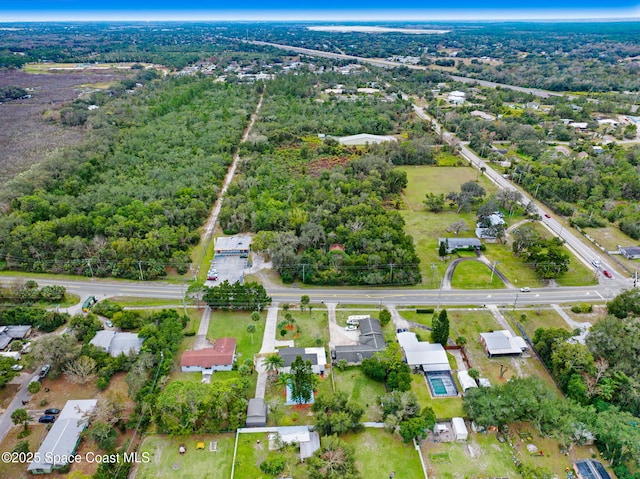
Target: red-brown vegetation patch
[{"x": 316, "y": 167}]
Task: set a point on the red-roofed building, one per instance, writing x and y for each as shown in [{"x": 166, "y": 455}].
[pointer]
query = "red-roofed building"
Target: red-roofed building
[{"x": 218, "y": 358}]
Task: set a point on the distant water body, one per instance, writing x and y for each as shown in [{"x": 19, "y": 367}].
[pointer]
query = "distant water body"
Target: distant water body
[{"x": 373, "y": 29}]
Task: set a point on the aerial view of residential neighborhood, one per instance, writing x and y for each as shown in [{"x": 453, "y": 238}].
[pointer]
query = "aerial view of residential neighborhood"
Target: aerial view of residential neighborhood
[{"x": 319, "y": 249}]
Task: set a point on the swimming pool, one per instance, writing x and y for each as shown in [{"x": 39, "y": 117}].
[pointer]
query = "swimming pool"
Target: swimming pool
[{"x": 441, "y": 384}]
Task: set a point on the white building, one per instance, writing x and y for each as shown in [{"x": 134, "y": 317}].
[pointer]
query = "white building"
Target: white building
[
  {"x": 430, "y": 357},
  {"x": 456, "y": 97},
  {"x": 502, "y": 343},
  {"x": 116, "y": 343},
  {"x": 466, "y": 381},
  {"x": 364, "y": 139},
  {"x": 63, "y": 438},
  {"x": 460, "y": 432}
]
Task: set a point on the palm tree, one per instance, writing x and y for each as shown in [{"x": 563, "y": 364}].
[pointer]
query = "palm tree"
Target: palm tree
[{"x": 273, "y": 363}]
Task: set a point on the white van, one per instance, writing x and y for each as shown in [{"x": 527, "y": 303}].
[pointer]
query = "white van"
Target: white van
[{"x": 355, "y": 319}]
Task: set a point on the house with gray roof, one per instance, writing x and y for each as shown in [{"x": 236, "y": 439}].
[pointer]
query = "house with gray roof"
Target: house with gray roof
[
  {"x": 454, "y": 244},
  {"x": 116, "y": 343},
  {"x": 9, "y": 333},
  {"x": 317, "y": 357},
  {"x": 232, "y": 245},
  {"x": 63, "y": 438},
  {"x": 502, "y": 343},
  {"x": 370, "y": 341},
  {"x": 630, "y": 252}
]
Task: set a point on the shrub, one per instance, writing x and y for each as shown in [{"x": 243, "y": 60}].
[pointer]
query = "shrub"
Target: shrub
[
  {"x": 582, "y": 308},
  {"x": 273, "y": 466},
  {"x": 34, "y": 387},
  {"x": 190, "y": 332},
  {"x": 425, "y": 311}
]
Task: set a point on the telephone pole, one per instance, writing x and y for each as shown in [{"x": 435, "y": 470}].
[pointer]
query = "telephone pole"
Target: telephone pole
[{"x": 140, "y": 269}]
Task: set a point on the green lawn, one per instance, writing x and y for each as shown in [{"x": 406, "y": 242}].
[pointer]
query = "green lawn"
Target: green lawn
[
  {"x": 253, "y": 449},
  {"x": 234, "y": 324},
  {"x": 132, "y": 301},
  {"x": 452, "y": 460},
  {"x": 475, "y": 275},
  {"x": 426, "y": 227},
  {"x": 378, "y": 453},
  {"x": 308, "y": 328},
  {"x": 166, "y": 461},
  {"x": 360, "y": 389},
  {"x": 413, "y": 316},
  {"x": 536, "y": 318}
]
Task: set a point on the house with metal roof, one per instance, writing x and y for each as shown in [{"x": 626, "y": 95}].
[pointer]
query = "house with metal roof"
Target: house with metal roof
[
  {"x": 502, "y": 343},
  {"x": 454, "y": 244},
  {"x": 117, "y": 343},
  {"x": 63, "y": 438},
  {"x": 431, "y": 357},
  {"x": 630, "y": 252},
  {"x": 370, "y": 341}
]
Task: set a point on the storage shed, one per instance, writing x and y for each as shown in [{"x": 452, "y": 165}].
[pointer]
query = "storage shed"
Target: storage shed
[
  {"x": 256, "y": 413},
  {"x": 460, "y": 432}
]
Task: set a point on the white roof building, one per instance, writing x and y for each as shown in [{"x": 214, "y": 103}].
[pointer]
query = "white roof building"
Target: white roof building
[
  {"x": 64, "y": 436},
  {"x": 466, "y": 381},
  {"x": 431, "y": 357},
  {"x": 502, "y": 343},
  {"x": 116, "y": 343},
  {"x": 460, "y": 431},
  {"x": 364, "y": 139}
]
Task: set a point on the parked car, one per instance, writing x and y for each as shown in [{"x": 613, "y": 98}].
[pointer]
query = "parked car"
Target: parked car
[
  {"x": 607, "y": 274},
  {"x": 526, "y": 289},
  {"x": 402, "y": 330},
  {"x": 17, "y": 367},
  {"x": 52, "y": 411},
  {"x": 45, "y": 370},
  {"x": 351, "y": 327},
  {"x": 108, "y": 324},
  {"x": 47, "y": 419}
]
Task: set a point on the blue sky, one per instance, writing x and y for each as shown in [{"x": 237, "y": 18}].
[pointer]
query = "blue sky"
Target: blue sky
[{"x": 16, "y": 10}]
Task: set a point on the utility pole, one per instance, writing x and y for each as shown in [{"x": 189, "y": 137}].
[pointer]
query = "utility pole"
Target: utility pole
[
  {"x": 303, "y": 267},
  {"x": 515, "y": 301},
  {"x": 91, "y": 269},
  {"x": 391, "y": 266},
  {"x": 140, "y": 269},
  {"x": 635, "y": 279}
]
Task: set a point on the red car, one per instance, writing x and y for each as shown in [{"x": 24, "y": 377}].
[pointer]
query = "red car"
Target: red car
[
  {"x": 607, "y": 274},
  {"x": 547, "y": 216}
]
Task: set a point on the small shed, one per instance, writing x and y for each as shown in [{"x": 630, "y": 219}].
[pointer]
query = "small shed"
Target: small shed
[
  {"x": 460, "y": 432},
  {"x": 466, "y": 381},
  {"x": 256, "y": 413}
]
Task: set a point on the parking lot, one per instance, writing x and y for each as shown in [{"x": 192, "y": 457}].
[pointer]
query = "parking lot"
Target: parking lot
[{"x": 229, "y": 267}]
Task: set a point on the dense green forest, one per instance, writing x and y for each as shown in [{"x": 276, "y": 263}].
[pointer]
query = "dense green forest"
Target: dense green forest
[
  {"x": 129, "y": 200},
  {"x": 302, "y": 195}
]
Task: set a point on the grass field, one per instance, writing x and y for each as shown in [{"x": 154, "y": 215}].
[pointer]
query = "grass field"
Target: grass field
[
  {"x": 234, "y": 324},
  {"x": 360, "y": 389},
  {"x": 452, "y": 460},
  {"x": 536, "y": 318},
  {"x": 610, "y": 238},
  {"x": 475, "y": 275},
  {"x": 135, "y": 302},
  {"x": 378, "y": 453},
  {"x": 166, "y": 462},
  {"x": 314, "y": 328}
]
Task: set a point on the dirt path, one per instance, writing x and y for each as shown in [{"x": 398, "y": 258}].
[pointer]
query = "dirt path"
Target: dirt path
[{"x": 212, "y": 221}]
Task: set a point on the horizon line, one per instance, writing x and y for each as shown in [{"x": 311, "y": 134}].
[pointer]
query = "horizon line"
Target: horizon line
[{"x": 354, "y": 16}]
